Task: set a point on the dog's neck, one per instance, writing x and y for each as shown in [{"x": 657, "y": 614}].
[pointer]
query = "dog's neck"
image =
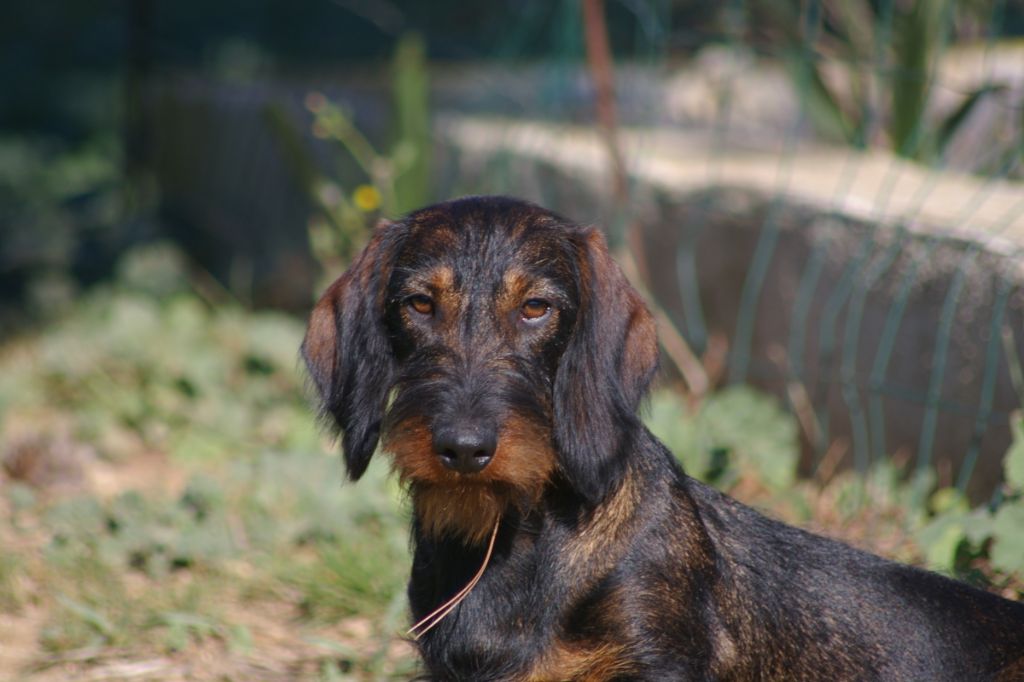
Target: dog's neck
[
  {"x": 591, "y": 541},
  {"x": 552, "y": 560}
]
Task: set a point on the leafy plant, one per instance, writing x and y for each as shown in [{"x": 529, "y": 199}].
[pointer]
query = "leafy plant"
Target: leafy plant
[
  {"x": 867, "y": 72},
  {"x": 391, "y": 183},
  {"x": 133, "y": 532},
  {"x": 711, "y": 446},
  {"x": 135, "y": 371},
  {"x": 63, "y": 216},
  {"x": 957, "y": 535},
  {"x": 345, "y": 554}
]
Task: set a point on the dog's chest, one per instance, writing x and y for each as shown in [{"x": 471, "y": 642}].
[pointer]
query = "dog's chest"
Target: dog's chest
[
  {"x": 516, "y": 653},
  {"x": 587, "y": 662},
  {"x": 512, "y": 634}
]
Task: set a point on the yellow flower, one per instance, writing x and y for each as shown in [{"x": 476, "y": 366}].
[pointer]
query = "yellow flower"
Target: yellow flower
[
  {"x": 315, "y": 101},
  {"x": 366, "y": 198}
]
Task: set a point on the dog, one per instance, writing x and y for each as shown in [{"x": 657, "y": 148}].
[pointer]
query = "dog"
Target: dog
[{"x": 500, "y": 356}]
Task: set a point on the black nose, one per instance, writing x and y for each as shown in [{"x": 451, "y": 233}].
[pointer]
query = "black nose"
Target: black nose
[{"x": 465, "y": 448}]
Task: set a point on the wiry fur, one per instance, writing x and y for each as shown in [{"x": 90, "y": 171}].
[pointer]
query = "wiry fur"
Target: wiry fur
[{"x": 610, "y": 563}]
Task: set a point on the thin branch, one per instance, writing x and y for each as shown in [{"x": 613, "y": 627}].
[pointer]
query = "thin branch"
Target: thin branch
[{"x": 634, "y": 261}]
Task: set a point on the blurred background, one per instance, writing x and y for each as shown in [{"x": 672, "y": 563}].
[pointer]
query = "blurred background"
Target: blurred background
[{"x": 821, "y": 199}]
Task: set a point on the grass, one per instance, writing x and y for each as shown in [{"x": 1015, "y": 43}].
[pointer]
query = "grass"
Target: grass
[{"x": 168, "y": 509}]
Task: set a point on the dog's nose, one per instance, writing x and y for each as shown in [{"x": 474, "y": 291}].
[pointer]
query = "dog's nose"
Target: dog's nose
[{"x": 466, "y": 449}]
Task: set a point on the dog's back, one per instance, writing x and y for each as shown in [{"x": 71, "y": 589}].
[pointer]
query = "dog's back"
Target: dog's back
[{"x": 812, "y": 608}]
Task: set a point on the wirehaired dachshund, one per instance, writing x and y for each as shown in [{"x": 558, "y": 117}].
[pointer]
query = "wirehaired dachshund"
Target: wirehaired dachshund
[{"x": 499, "y": 355}]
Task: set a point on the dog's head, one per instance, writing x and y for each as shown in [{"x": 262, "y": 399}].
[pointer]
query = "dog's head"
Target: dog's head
[{"x": 496, "y": 346}]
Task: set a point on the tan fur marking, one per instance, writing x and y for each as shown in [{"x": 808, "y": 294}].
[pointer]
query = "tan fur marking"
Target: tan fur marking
[
  {"x": 641, "y": 344},
  {"x": 1014, "y": 671},
  {"x": 439, "y": 284},
  {"x": 515, "y": 287},
  {"x": 469, "y": 506},
  {"x": 593, "y": 659},
  {"x": 524, "y": 459},
  {"x": 641, "y": 340},
  {"x": 579, "y": 663},
  {"x": 468, "y": 511},
  {"x": 321, "y": 342},
  {"x": 449, "y": 301},
  {"x": 597, "y": 546},
  {"x": 442, "y": 279}
]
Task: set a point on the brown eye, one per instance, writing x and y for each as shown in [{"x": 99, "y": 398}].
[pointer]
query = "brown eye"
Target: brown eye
[
  {"x": 421, "y": 304},
  {"x": 534, "y": 309}
]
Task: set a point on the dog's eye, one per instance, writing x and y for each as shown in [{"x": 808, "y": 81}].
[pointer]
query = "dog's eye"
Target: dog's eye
[
  {"x": 421, "y": 304},
  {"x": 535, "y": 309}
]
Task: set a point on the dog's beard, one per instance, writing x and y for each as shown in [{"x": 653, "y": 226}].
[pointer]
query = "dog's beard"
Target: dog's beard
[
  {"x": 468, "y": 512},
  {"x": 467, "y": 507}
]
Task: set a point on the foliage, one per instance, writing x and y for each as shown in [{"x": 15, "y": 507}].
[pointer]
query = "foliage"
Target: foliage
[
  {"x": 273, "y": 506},
  {"x": 957, "y": 537},
  {"x": 392, "y": 182},
  {"x": 144, "y": 364},
  {"x": 711, "y": 446},
  {"x": 879, "y": 78},
  {"x": 143, "y": 370},
  {"x": 61, "y": 210},
  {"x": 411, "y": 150}
]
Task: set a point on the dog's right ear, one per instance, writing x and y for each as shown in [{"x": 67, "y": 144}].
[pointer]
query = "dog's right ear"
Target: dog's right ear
[{"x": 347, "y": 351}]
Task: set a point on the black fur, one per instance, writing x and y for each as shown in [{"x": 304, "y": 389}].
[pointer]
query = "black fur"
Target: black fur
[
  {"x": 354, "y": 374},
  {"x": 623, "y": 568},
  {"x": 592, "y": 441}
]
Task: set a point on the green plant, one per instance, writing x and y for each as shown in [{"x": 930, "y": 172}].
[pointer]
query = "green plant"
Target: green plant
[
  {"x": 867, "y": 72},
  {"x": 713, "y": 449},
  {"x": 282, "y": 514},
  {"x": 390, "y": 182},
  {"x": 134, "y": 368},
  {"x": 957, "y": 536},
  {"x": 217, "y": 509},
  {"x": 11, "y": 570},
  {"x": 62, "y": 207}
]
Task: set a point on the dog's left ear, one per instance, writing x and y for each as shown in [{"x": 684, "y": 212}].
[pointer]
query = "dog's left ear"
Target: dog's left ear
[
  {"x": 347, "y": 351},
  {"x": 603, "y": 374}
]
